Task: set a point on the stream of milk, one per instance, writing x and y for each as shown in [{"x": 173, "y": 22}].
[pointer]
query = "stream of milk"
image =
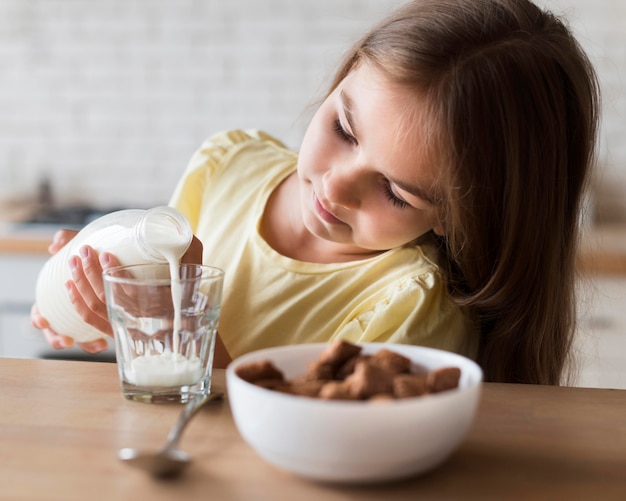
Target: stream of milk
[{"x": 169, "y": 368}]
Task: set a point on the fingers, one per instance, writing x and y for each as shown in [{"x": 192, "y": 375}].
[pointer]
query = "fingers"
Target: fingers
[
  {"x": 94, "y": 346},
  {"x": 90, "y": 309},
  {"x": 59, "y": 239},
  {"x": 86, "y": 290},
  {"x": 108, "y": 261},
  {"x": 92, "y": 289},
  {"x": 36, "y": 319},
  {"x": 194, "y": 252},
  {"x": 57, "y": 341}
]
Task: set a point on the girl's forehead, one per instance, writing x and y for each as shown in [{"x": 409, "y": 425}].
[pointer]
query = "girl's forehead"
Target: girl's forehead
[
  {"x": 365, "y": 83},
  {"x": 387, "y": 108},
  {"x": 394, "y": 128}
]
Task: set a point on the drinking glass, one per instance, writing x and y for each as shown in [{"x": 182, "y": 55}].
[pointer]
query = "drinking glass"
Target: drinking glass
[{"x": 165, "y": 320}]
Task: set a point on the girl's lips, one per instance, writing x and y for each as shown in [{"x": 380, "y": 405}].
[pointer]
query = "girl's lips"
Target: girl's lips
[{"x": 324, "y": 214}]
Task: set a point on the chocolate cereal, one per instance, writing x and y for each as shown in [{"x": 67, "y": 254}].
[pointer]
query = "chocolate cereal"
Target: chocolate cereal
[{"x": 342, "y": 373}]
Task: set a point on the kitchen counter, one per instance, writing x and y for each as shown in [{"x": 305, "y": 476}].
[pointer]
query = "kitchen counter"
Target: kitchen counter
[
  {"x": 29, "y": 228},
  {"x": 603, "y": 250},
  {"x": 62, "y": 424},
  {"x": 25, "y": 239},
  {"x": 24, "y": 245}
]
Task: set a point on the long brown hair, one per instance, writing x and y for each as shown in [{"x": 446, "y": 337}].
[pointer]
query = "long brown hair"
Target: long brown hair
[{"x": 514, "y": 100}]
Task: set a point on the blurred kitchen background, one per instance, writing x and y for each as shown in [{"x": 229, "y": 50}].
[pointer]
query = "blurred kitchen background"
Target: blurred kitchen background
[
  {"x": 105, "y": 100},
  {"x": 102, "y": 103}
]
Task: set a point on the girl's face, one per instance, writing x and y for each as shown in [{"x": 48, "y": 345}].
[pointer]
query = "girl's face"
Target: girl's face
[{"x": 366, "y": 181}]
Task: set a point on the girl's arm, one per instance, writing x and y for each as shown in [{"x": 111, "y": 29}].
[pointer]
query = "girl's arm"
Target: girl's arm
[{"x": 221, "y": 358}]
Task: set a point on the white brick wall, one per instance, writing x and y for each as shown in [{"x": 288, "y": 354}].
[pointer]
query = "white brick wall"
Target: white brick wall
[{"x": 111, "y": 97}]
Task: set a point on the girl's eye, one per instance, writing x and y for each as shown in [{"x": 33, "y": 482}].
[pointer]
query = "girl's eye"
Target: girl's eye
[
  {"x": 342, "y": 133},
  {"x": 391, "y": 196}
]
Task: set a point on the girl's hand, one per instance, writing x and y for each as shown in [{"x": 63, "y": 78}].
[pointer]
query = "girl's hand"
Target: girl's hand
[
  {"x": 58, "y": 341},
  {"x": 86, "y": 289},
  {"x": 59, "y": 239}
]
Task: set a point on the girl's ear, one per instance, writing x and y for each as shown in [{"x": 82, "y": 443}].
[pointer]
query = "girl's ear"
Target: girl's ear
[{"x": 438, "y": 229}]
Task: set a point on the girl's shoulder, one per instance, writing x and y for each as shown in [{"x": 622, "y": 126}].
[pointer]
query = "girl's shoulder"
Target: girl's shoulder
[
  {"x": 421, "y": 257},
  {"x": 237, "y": 150},
  {"x": 238, "y": 138}
]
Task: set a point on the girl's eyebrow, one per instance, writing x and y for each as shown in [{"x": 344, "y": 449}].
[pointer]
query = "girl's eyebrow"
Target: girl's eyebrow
[{"x": 347, "y": 109}]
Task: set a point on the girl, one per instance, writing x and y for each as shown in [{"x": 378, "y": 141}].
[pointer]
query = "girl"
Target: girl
[{"x": 434, "y": 200}]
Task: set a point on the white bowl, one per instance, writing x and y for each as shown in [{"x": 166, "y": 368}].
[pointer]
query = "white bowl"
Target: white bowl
[{"x": 353, "y": 441}]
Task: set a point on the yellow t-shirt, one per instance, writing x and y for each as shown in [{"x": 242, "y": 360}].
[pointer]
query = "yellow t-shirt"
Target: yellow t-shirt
[{"x": 269, "y": 299}]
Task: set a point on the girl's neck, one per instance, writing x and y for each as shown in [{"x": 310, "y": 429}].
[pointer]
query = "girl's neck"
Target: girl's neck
[{"x": 282, "y": 228}]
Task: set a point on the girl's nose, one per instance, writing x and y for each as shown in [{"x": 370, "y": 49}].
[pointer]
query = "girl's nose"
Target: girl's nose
[{"x": 341, "y": 188}]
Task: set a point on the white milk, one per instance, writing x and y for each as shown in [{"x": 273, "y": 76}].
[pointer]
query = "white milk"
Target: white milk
[
  {"x": 167, "y": 369},
  {"x": 172, "y": 248}
]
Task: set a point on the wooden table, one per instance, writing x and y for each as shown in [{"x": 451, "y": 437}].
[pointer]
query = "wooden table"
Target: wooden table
[{"x": 61, "y": 424}]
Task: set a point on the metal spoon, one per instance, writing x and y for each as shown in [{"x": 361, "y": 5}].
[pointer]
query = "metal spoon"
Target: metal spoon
[{"x": 168, "y": 461}]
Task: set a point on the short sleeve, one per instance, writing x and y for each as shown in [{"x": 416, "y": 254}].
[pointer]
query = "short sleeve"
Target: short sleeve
[
  {"x": 415, "y": 310},
  {"x": 205, "y": 165}
]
